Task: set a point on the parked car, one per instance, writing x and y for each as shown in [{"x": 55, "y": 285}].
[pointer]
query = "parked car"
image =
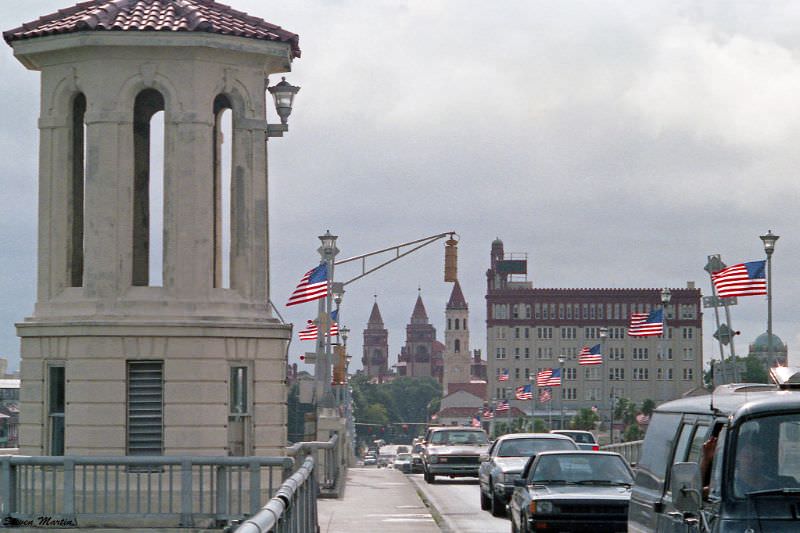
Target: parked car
[
  {"x": 416, "y": 458},
  {"x": 403, "y": 463},
  {"x": 370, "y": 459},
  {"x": 453, "y": 452},
  {"x": 738, "y": 448},
  {"x": 584, "y": 439},
  {"x": 505, "y": 460},
  {"x": 574, "y": 491}
]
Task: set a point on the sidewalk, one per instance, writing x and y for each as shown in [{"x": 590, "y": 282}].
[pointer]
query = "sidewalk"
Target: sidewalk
[{"x": 376, "y": 499}]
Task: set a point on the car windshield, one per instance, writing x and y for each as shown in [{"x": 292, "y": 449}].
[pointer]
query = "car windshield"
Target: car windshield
[
  {"x": 459, "y": 437},
  {"x": 581, "y": 469},
  {"x": 527, "y": 447},
  {"x": 582, "y": 438},
  {"x": 417, "y": 448},
  {"x": 767, "y": 455},
  {"x": 403, "y": 457}
]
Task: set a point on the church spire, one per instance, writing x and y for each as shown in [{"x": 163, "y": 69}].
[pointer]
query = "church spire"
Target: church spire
[
  {"x": 419, "y": 316},
  {"x": 375, "y": 318},
  {"x": 457, "y": 300}
]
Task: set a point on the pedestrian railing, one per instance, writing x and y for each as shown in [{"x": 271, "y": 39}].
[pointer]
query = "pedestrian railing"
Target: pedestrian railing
[
  {"x": 329, "y": 458},
  {"x": 159, "y": 491},
  {"x": 629, "y": 450}
]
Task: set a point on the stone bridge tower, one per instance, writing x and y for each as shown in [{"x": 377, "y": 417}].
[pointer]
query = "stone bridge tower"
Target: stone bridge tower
[{"x": 116, "y": 361}]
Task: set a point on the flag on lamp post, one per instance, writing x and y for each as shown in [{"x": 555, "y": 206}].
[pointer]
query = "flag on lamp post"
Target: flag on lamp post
[
  {"x": 744, "y": 279},
  {"x": 647, "y": 324},
  {"x": 502, "y": 406},
  {"x": 524, "y": 392},
  {"x": 590, "y": 356},
  {"x": 503, "y": 376},
  {"x": 545, "y": 395},
  {"x": 549, "y": 377},
  {"x": 312, "y": 286}
]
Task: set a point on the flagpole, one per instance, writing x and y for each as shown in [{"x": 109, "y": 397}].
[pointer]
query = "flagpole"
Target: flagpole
[
  {"x": 603, "y": 377},
  {"x": 550, "y": 412}
]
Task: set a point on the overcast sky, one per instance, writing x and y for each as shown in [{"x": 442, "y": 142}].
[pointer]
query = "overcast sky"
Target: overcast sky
[{"x": 616, "y": 143}]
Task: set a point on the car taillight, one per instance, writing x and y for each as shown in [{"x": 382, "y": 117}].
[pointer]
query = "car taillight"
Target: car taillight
[{"x": 595, "y": 448}]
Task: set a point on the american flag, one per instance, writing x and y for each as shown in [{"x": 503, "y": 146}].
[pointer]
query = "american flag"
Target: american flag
[
  {"x": 647, "y": 324},
  {"x": 487, "y": 413},
  {"x": 545, "y": 395},
  {"x": 590, "y": 356},
  {"x": 642, "y": 419},
  {"x": 503, "y": 376},
  {"x": 313, "y": 286},
  {"x": 310, "y": 331},
  {"x": 524, "y": 392},
  {"x": 476, "y": 421},
  {"x": 502, "y": 406},
  {"x": 744, "y": 279},
  {"x": 549, "y": 377}
]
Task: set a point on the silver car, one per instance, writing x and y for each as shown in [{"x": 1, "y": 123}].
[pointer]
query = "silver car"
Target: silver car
[
  {"x": 505, "y": 460},
  {"x": 453, "y": 452},
  {"x": 584, "y": 439}
]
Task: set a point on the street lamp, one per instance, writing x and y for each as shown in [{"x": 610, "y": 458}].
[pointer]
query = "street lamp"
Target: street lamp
[
  {"x": 603, "y": 337},
  {"x": 561, "y": 359},
  {"x": 327, "y": 252},
  {"x": 283, "y": 93},
  {"x": 769, "y": 247}
]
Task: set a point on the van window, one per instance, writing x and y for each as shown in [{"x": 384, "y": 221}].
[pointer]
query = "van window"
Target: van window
[
  {"x": 683, "y": 443},
  {"x": 767, "y": 454},
  {"x": 715, "y": 484},
  {"x": 656, "y": 450},
  {"x": 697, "y": 444}
]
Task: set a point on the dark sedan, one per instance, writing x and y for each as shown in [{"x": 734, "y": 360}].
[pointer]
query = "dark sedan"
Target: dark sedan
[{"x": 579, "y": 492}]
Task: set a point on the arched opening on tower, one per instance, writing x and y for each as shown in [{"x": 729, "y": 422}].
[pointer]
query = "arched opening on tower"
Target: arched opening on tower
[
  {"x": 457, "y": 346},
  {"x": 148, "y": 189},
  {"x": 77, "y": 191},
  {"x": 223, "y": 157}
]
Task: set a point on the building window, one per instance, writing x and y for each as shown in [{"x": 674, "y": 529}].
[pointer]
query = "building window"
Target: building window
[
  {"x": 515, "y": 311},
  {"x": 561, "y": 311},
  {"x": 516, "y": 352},
  {"x": 688, "y": 333},
  {"x": 544, "y": 333},
  {"x": 527, "y": 373},
  {"x": 640, "y": 374},
  {"x": 78, "y": 179},
  {"x": 223, "y": 193},
  {"x": 592, "y": 373},
  {"x": 570, "y": 374},
  {"x": 616, "y": 354},
  {"x": 239, "y": 412},
  {"x": 527, "y": 352},
  {"x": 527, "y": 333},
  {"x": 516, "y": 373},
  {"x": 669, "y": 374},
  {"x": 501, "y": 332},
  {"x": 56, "y": 385},
  {"x": 449, "y": 324},
  {"x": 537, "y": 311},
  {"x": 688, "y": 311},
  {"x": 545, "y": 352},
  {"x": 616, "y": 374},
  {"x": 457, "y": 346},
  {"x": 688, "y": 374},
  {"x": 145, "y": 434},
  {"x": 569, "y": 393},
  {"x": 500, "y": 353},
  {"x": 688, "y": 354},
  {"x": 516, "y": 333},
  {"x": 592, "y": 395},
  {"x": 527, "y": 311},
  {"x": 640, "y": 354}
]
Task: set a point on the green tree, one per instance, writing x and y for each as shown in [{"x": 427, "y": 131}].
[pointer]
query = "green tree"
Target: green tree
[
  {"x": 585, "y": 419},
  {"x": 632, "y": 432},
  {"x": 754, "y": 371},
  {"x": 648, "y": 406}
]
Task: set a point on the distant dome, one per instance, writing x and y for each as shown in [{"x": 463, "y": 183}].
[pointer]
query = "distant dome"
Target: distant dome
[
  {"x": 761, "y": 344},
  {"x": 497, "y": 242}
]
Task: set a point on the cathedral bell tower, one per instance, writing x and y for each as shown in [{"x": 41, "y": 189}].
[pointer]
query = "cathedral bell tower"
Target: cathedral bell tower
[
  {"x": 376, "y": 346},
  {"x": 152, "y": 332},
  {"x": 457, "y": 361}
]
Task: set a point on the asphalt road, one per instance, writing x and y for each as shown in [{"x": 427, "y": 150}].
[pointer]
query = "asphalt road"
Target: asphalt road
[{"x": 457, "y": 501}]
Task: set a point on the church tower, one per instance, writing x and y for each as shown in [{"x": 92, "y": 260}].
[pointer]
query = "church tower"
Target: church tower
[
  {"x": 419, "y": 351},
  {"x": 152, "y": 332},
  {"x": 376, "y": 346},
  {"x": 457, "y": 362}
]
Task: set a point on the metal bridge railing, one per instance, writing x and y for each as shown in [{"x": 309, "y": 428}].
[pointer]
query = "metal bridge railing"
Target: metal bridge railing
[
  {"x": 329, "y": 458},
  {"x": 148, "y": 491},
  {"x": 629, "y": 450}
]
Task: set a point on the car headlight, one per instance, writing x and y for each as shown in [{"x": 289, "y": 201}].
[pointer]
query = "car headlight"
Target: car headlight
[
  {"x": 541, "y": 507},
  {"x": 433, "y": 458},
  {"x": 508, "y": 479}
]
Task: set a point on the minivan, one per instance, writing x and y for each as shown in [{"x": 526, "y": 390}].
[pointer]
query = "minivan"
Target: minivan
[{"x": 750, "y": 480}]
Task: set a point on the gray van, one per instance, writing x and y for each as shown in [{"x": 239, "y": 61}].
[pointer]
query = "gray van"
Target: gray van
[{"x": 752, "y": 483}]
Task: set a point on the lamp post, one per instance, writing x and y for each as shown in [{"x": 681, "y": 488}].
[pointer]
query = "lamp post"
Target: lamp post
[
  {"x": 611, "y": 397},
  {"x": 283, "y": 94},
  {"x": 769, "y": 247},
  {"x": 327, "y": 252},
  {"x": 603, "y": 337},
  {"x": 561, "y": 359}
]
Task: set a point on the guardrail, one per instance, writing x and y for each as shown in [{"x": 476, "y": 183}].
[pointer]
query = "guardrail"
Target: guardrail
[
  {"x": 329, "y": 456},
  {"x": 629, "y": 450},
  {"x": 148, "y": 491}
]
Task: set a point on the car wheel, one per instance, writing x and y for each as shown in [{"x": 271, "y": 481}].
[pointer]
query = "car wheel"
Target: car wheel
[
  {"x": 498, "y": 508},
  {"x": 429, "y": 478},
  {"x": 486, "y": 503}
]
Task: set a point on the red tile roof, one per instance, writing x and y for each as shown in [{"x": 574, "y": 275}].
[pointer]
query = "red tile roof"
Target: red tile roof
[
  {"x": 204, "y": 16},
  {"x": 475, "y": 388}
]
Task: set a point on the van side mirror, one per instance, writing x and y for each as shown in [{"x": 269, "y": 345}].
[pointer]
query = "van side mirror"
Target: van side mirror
[
  {"x": 520, "y": 482},
  {"x": 483, "y": 457},
  {"x": 687, "y": 494}
]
